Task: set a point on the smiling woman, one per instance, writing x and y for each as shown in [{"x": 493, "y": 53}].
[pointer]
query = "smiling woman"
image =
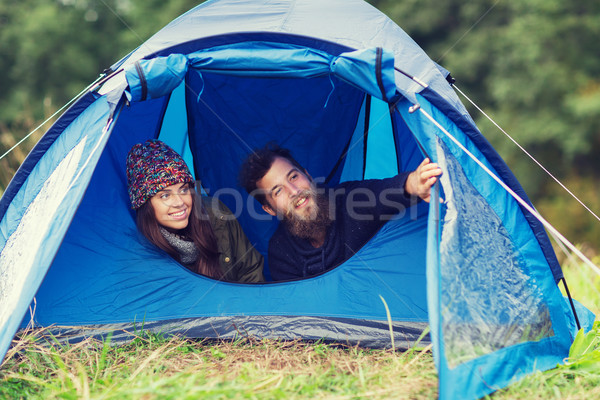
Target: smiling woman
[
  {"x": 198, "y": 232},
  {"x": 172, "y": 206}
]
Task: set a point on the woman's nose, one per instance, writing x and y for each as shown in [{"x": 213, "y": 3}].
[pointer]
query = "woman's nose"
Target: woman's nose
[{"x": 177, "y": 200}]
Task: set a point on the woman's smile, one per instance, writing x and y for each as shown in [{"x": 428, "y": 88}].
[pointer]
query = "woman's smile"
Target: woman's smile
[{"x": 181, "y": 214}]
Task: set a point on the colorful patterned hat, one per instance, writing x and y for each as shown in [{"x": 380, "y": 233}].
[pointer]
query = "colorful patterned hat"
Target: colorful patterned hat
[{"x": 151, "y": 167}]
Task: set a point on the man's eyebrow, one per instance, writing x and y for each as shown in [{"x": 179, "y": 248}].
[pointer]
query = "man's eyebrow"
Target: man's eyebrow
[
  {"x": 273, "y": 188},
  {"x": 291, "y": 171}
]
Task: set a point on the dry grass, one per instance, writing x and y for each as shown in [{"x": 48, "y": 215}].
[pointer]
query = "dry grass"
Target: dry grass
[{"x": 152, "y": 367}]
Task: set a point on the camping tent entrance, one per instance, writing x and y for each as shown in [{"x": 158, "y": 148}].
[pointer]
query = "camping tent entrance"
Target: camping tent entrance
[
  {"x": 70, "y": 201},
  {"x": 126, "y": 279}
]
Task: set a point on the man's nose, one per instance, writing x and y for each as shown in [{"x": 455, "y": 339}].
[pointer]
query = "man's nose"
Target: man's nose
[{"x": 293, "y": 189}]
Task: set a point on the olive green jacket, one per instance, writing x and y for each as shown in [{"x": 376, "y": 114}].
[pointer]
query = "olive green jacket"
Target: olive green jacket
[{"x": 239, "y": 260}]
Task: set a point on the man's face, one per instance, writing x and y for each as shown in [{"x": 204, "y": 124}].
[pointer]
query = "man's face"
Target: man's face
[{"x": 289, "y": 191}]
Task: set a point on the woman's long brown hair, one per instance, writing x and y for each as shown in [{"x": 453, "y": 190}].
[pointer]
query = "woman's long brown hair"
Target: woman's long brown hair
[{"x": 199, "y": 230}]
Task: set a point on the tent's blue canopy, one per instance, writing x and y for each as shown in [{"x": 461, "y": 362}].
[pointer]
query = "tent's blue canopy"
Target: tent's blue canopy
[{"x": 335, "y": 81}]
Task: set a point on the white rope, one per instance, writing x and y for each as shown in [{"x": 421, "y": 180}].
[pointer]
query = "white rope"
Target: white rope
[
  {"x": 49, "y": 118},
  {"x": 564, "y": 250},
  {"x": 467, "y": 31},
  {"x": 525, "y": 151},
  {"x": 515, "y": 196},
  {"x": 77, "y": 96},
  {"x": 74, "y": 98}
]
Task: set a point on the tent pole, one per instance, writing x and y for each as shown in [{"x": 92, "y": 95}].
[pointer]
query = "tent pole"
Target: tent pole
[
  {"x": 564, "y": 281},
  {"x": 366, "y": 132},
  {"x": 339, "y": 161},
  {"x": 413, "y": 78}
]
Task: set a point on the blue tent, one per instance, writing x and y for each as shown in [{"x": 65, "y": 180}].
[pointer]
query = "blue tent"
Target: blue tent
[{"x": 355, "y": 98}]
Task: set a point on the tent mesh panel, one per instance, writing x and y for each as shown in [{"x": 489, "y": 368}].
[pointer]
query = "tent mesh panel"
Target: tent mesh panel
[{"x": 489, "y": 299}]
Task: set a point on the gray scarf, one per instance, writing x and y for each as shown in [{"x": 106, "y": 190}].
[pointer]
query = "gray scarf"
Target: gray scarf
[{"x": 187, "y": 249}]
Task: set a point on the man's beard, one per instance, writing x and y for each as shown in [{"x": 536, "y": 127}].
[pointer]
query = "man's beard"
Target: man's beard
[{"x": 313, "y": 224}]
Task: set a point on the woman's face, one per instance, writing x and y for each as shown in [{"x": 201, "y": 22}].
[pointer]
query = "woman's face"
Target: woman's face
[{"x": 173, "y": 205}]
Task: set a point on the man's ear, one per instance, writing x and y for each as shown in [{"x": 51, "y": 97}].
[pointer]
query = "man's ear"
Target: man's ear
[{"x": 269, "y": 210}]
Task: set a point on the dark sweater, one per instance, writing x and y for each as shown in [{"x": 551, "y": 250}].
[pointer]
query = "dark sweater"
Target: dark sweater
[{"x": 361, "y": 209}]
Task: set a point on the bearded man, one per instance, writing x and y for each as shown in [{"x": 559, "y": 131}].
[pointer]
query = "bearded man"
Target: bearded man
[{"x": 321, "y": 228}]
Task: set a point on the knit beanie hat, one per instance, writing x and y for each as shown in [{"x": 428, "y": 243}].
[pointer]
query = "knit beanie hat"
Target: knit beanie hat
[{"x": 151, "y": 167}]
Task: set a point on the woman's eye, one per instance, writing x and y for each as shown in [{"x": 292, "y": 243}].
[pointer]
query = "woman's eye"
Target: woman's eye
[
  {"x": 165, "y": 196},
  {"x": 184, "y": 190}
]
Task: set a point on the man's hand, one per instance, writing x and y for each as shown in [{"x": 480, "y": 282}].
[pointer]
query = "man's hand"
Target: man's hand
[{"x": 420, "y": 181}]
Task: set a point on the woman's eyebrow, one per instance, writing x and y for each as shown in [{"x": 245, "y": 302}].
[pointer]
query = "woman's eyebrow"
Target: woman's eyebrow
[{"x": 170, "y": 190}]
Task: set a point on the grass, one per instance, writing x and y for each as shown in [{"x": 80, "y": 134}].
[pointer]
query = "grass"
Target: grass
[
  {"x": 156, "y": 367},
  {"x": 584, "y": 284}
]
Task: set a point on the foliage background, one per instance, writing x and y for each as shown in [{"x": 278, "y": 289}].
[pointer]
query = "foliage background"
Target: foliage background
[{"x": 532, "y": 65}]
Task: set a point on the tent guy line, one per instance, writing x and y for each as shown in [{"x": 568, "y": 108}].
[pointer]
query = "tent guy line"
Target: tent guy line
[
  {"x": 467, "y": 31},
  {"x": 527, "y": 153},
  {"x": 125, "y": 24},
  {"x": 52, "y": 116},
  {"x": 533, "y": 212}
]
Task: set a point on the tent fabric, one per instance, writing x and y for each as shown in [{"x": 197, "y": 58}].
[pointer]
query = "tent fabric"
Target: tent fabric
[
  {"x": 366, "y": 333},
  {"x": 478, "y": 246},
  {"x": 329, "y": 79},
  {"x": 355, "y": 25},
  {"x": 369, "y": 69},
  {"x": 51, "y": 192},
  {"x": 502, "y": 170}
]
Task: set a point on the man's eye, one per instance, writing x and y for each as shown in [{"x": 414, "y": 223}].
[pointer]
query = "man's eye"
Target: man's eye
[
  {"x": 293, "y": 177},
  {"x": 276, "y": 192}
]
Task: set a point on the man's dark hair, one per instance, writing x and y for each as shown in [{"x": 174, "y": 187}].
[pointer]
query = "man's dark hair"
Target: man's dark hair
[{"x": 258, "y": 163}]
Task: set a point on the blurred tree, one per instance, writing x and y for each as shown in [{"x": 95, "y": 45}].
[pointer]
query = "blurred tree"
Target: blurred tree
[{"x": 51, "y": 50}]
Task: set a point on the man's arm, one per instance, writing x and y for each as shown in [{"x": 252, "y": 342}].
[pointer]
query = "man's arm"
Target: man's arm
[
  {"x": 373, "y": 201},
  {"x": 420, "y": 181}
]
